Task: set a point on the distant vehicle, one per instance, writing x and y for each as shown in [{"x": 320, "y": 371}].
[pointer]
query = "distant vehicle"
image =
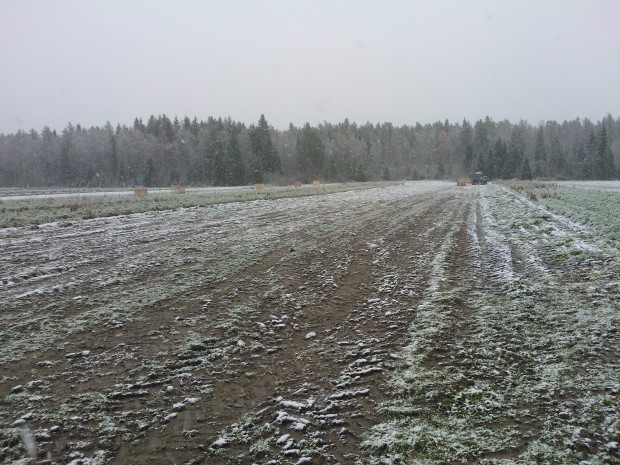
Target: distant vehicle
[{"x": 478, "y": 179}]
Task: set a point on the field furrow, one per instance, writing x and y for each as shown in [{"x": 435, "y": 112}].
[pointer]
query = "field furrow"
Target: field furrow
[{"x": 416, "y": 323}]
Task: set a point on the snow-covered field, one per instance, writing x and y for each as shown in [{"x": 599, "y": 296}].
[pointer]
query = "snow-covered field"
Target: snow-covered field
[
  {"x": 613, "y": 185},
  {"x": 7, "y": 195},
  {"x": 415, "y": 323},
  {"x": 41, "y": 206}
]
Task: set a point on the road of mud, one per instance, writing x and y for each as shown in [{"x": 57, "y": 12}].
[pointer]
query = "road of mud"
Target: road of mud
[{"x": 288, "y": 332}]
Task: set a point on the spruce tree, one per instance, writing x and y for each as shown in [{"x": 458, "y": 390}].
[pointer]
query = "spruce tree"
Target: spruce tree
[
  {"x": 148, "y": 178},
  {"x": 310, "y": 153},
  {"x": 497, "y": 158},
  {"x": 465, "y": 145},
  {"x": 557, "y": 161},
  {"x": 604, "y": 163},
  {"x": 540, "y": 154},
  {"x": 216, "y": 153},
  {"x": 265, "y": 156},
  {"x": 516, "y": 154},
  {"x": 235, "y": 171},
  {"x": 66, "y": 162},
  {"x": 525, "y": 171},
  {"x": 480, "y": 143}
]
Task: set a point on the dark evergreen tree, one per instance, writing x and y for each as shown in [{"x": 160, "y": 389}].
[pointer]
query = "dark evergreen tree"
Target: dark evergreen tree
[
  {"x": 223, "y": 152},
  {"x": 151, "y": 126},
  {"x": 138, "y": 125},
  {"x": 516, "y": 154},
  {"x": 604, "y": 163},
  {"x": 480, "y": 162},
  {"x": 497, "y": 159},
  {"x": 360, "y": 173},
  {"x": 195, "y": 127},
  {"x": 466, "y": 150},
  {"x": 149, "y": 173},
  {"x": 480, "y": 143},
  {"x": 265, "y": 156},
  {"x": 310, "y": 153},
  {"x": 67, "y": 175},
  {"x": 558, "y": 162},
  {"x": 166, "y": 128},
  {"x": 385, "y": 173},
  {"x": 48, "y": 157},
  {"x": 235, "y": 173},
  {"x": 216, "y": 153},
  {"x": 540, "y": 154},
  {"x": 591, "y": 154},
  {"x": 525, "y": 171}
]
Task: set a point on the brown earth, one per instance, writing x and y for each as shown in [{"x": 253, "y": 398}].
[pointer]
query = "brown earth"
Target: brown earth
[
  {"x": 309, "y": 311},
  {"x": 267, "y": 332}
]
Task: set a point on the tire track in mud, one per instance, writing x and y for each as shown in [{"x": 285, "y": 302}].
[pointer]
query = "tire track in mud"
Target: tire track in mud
[
  {"x": 505, "y": 362},
  {"x": 137, "y": 264},
  {"x": 352, "y": 332},
  {"x": 571, "y": 290}
]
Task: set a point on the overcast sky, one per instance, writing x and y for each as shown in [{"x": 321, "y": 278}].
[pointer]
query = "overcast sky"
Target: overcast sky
[{"x": 92, "y": 61}]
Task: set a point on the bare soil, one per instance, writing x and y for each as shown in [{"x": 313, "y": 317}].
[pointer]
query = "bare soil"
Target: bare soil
[
  {"x": 262, "y": 332},
  {"x": 309, "y": 312}
]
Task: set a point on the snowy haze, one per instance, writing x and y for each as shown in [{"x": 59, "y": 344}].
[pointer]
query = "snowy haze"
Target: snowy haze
[{"x": 89, "y": 62}]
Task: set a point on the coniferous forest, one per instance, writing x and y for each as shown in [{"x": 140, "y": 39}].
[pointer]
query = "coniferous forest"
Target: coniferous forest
[{"x": 218, "y": 152}]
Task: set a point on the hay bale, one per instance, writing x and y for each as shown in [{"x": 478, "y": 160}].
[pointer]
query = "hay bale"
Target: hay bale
[
  {"x": 297, "y": 184},
  {"x": 141, "y": 191},
  {"x": 259, "y": 186},
  {"x": 316, "y": 183},
  {"x": 461, "y": 182},
  {"x": 178, "y": 189}
]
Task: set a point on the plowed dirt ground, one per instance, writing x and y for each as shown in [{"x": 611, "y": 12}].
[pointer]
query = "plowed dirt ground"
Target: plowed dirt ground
[{"x": 315, "y": 330}]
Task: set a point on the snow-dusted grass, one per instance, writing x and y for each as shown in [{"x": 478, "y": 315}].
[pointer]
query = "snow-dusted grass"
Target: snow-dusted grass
[
  {"x": 23, "y": 210},
  {"x": 606, "y": 185},
  {"x": 513, "y": 359},
  {"x": 594, "y": 205}
]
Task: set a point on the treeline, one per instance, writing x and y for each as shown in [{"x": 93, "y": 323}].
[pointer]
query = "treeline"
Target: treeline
[{"x": 163, "y": 152}]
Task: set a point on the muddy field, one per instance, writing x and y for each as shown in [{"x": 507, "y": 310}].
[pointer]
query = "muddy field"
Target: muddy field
[{"x": 416, "y": 323}]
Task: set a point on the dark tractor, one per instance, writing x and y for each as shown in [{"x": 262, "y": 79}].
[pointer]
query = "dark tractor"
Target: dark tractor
[{"x": 478, "y": 179}]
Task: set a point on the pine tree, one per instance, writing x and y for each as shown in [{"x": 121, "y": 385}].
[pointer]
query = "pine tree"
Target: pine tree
[
  {"x": 465, "y": 145},
  {"x": 265, "y": 156},
  {"x": 525, "y": 171},
  {"x": 166, "y": 128},
  {"x": 360, "y": 173},
  {"x": 138, "y": 125},
  {"x": 216, "y": 153},
  {"x": 67, "y": 174},
  {"x": 480, "y": 143},
  {"x": 604, "y": 165},
  {"x": 557, "y": 161},
  {"x": 151, "y": 126},
  {"x": 497, "y": 158},
  {"x": 589, "y": 161},
  {"x": 385, "y": 173},
  {"x": 310, "y": 153},
  {"x": 148, "y": 178},
  {"x": 235, "y": 171},
  {"x": 516, "y": 154},
  {"x": 540, "y": 154}
]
